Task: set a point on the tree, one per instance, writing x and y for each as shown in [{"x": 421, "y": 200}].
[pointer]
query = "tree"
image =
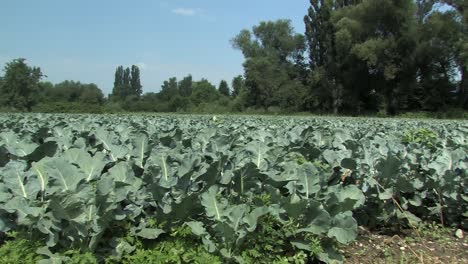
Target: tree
[
  {"x": 238, "y": 84},
  {"x": 271, "y": 52},
  {"x": 204, "y": 92},
  {"x": 70, "y": 92},
  {"x": 169, "y": 90},
  {"x": 438, "y": 58},
  {"x": 135, "y": 81},
  {"x": 91, "y": 94},
  {"x": 185, "y": 86},
  {"x": 20, "y": 85},
  {"x": 127, "y": 86},
  {"x": 223, "y": 88},
  {"x": 127, "y": 83},
  {"x": 118, "y": 83},
  {"x": 319, "y": 33},
  {"x": 461, "y": 6},
  {"x": 376, "y": 53},
  {"x": 325, "y": 85}
]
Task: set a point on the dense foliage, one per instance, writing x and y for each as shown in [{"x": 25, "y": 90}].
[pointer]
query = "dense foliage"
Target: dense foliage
[
  {"x": 260, "y": 190},
  {"x": 19, "y": 85}
]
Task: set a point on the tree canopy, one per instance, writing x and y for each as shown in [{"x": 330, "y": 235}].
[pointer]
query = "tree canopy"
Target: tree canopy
[{"x": 20, "y": 85}]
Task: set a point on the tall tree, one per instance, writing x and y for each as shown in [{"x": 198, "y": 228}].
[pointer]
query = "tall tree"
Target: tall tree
[
  {"x": 127, "y": 86},
  {"x": 438, "y": 60},
  {"x": 325, "y": 88},
  {"x": 238, "y": 84},
  {"x": 223, "y": 88},
  {"x": 118, "y": 83},
  {"x": 271, "y": 50},
  {"x": 185, "y": 86},
  {"x": 461, "y": 6},
  {"x": 135, "y": 81},
  {"x": 376, "y": 53},
  {"x": 20, "y": 85},
  {"x": 169, "y": 90}
]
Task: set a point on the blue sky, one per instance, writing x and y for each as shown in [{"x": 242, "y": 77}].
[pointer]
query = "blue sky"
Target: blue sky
[{"x": 86, "y": 40}]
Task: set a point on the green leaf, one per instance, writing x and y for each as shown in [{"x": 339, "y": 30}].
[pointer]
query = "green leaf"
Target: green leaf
[
  {"x": 197, "y": 228},
  {"x": 344, "y": 198},
  {"x": 344, "y": 228},
  {"x": 251, "y": 219},
  {"x": 65, "y": 176},
  {"x": 334, "y": 157},
  {"x": 150, "y": 233},
  {"x": 246, "y": 179},
  {"x": 140, "y": 149},
  {"x": 90, "y": 166},
  {"x": 330, "y": 254},
  {"x": 121, "y": 172},
  {"x": 160, "y": 167},
  {"x": 236, "y": 214},
  {"x": 317, "y": 220},
  {"x": 24, "y": 211},
  {"x": 308, "y": 180},
  {"x": 214, "y": 208},
  {"x": 448, "y": 160},
  {"x": 386, "y": 194},
  {"x": 349, "y": 164},
  {"x": 18, "y": 182},
  {"x": 16, "y": 146}
]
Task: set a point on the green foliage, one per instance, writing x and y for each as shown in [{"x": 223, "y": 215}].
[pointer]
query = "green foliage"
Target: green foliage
[
  {"x": 169, "y": 90},
  {"x": 135, "y": 83},
  {"x": 19, "y": 251},
  {"x": 76, "y": 257},
  {"x": 272, "y": 51},
  {"x": 177, "y": 251},
  {"x": 204, "y": 93},
  {"x": 180, "y": 247},
  {"x": 247, "y": 187},
  {"x": 270, "y": 243},
  {"x": 185, "y": 86},
  {"x": 451, "y": 113},
  {"x": 408, "y": 59},
  {"x": 421, "y": 136},
  {"x": 223, "y": 88},
  {"x": 71, "y": 92},
  {"x": 298, "y": 258},
  {"x": 113, "y": 107},
  {"x": 238, "y": 84},
  {"x": 66, "y": 107},
  {"x": 126, "y": 83},
  {"x": 19, "y": 85}
]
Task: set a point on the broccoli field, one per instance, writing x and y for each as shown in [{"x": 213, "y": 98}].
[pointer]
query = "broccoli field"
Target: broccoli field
[{"x": 229, "y": 189}]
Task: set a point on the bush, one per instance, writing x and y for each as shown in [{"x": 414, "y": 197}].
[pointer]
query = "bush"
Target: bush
[
  {"x": 452, "y": 113},
  {"x": 4, "y": 109},
  {"x": 113, "y": 107},
  {"x": 67, "y": 107},
  {"x": 19, "y": 251}
]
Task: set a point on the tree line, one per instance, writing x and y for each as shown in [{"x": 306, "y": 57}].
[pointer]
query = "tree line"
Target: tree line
[
  {"x": 360, "y": 57},
  {"x": 355, "y": 57}
]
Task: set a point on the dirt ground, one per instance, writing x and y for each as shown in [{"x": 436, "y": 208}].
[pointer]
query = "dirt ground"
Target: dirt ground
[{"x": 428, "y": 244}]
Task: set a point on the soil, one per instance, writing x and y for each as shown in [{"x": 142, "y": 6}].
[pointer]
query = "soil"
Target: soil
[{"x": 431, "y": 244}]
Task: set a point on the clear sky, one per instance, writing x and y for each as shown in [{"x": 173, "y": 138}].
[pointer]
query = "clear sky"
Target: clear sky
[{"x": 85, "y": 40}]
